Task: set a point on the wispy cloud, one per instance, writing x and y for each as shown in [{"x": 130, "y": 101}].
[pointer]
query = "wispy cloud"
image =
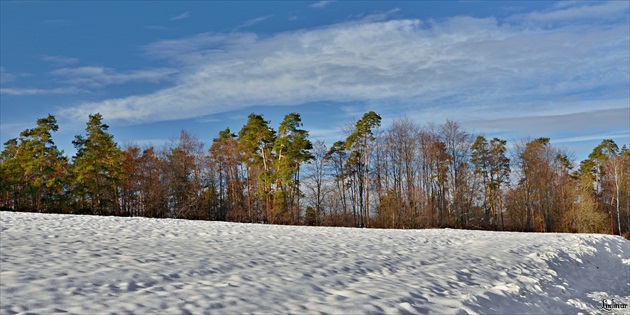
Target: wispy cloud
[
  {"x": 251, "y": 22},
  {"x": 478, "y": 69},
  {"x": 35, "y": 91},
  {"x": 320, "y": 4},
  {"x": 5, "y": 76},
  {"x": 100, "y": 76},
  {"x": 293, "y": 16},
  {"x": 372, "y": 17},
  {"x": 577, "y": 10},
  {"x": 59, "y": 60},
  {"x": 193, "y": 50},
  {"x": 182, "y": 16},
  {"x": 614, "y": 114},
  {"x": 593, "y": 137}
]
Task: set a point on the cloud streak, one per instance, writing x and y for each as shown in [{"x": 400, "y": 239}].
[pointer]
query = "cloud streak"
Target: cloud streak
[
  {"x": 6, "y": 77},
  {"x": 182, "y": 16},
  {"x": 252, "y": 22},
  {"x": 574, "y": 10},
  {"x": 100, "y": 76},
  {"x": 478, "y": 69},
  {"x": 59, "y": 60},
  {"x": 570, "y": 123},
  {"x": 35, "y": 91},
  {"x": 320, "y": 4}
]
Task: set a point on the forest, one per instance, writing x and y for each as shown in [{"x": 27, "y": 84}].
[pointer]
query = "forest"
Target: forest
[{"x": 403, "y": 176}]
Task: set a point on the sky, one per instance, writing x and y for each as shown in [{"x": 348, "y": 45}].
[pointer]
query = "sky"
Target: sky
[{"x": 507, "y": 69}]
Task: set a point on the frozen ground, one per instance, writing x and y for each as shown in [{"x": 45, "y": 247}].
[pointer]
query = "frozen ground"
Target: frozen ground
[{"x": 87, "y": 265}]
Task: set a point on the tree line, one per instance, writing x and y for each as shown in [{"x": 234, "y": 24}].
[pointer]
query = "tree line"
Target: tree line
[{"x": 401, "y": 176}]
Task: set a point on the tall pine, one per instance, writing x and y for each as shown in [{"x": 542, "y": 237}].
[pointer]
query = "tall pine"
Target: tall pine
[
  {"x": 359, "y": 143},
  {"x": 96, "y": 170},
  {"x": 33, "y": 169}
]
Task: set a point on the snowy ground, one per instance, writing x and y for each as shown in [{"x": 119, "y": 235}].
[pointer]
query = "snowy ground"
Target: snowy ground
[{"x": 86, "y": 265}]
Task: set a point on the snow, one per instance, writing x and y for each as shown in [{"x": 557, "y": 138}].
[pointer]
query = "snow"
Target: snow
[{"x": 87, "y": 264}]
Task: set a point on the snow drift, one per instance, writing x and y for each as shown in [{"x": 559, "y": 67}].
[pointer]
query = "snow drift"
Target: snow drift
[{"x": 87, "y": 264}]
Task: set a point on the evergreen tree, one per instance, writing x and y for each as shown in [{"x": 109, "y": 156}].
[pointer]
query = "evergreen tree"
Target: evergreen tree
[
  {"x": 492, "y": 165},
  {"x": 35, "y": 167},
  {"x": 417, "y": 177},
  {"x": 256, "y": 139},
  {"x": 96, "y": 169},
  {"x": 359, "y": 143},
  {"x": 291, "y": 149},
  {"x": 607, "y": 167},
  {"x": 11, "y": 177}
]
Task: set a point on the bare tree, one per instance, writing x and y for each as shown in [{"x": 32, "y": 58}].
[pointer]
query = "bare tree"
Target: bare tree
[{"x": 316, "y": 179}]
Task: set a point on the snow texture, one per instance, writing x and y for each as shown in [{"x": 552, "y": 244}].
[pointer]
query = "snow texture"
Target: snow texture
[{"x": 87, "y": 264}]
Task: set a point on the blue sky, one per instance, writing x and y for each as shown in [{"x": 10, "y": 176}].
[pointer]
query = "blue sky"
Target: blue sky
[{"x": 508, "y": 69}]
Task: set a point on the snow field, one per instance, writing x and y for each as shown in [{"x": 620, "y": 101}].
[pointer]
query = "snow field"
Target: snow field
[{"x": 86, "y": 264}]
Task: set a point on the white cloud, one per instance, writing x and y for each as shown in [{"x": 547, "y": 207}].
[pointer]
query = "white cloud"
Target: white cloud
[
  {"x": 612, "y": 116},
  {"x": 565, "y": 4},
  {"x": 575, "y": 10},
  {"x": 182, "y": 16},
  {"x": 480, "y": 68},
  {"x": 593, "y": 137},
  {"x": 372, "y": 17},
  {"x": 35, "y": 91},
  {"x": 5, "y": 76},
  {"x": 100, "y": 76},
  {"x": 59, "y": 60},
  {"x": 253, "y": 21},
  {"x": 293, "y": 16},
  {"x": 188, "y": 51},
  {"x": 320, "y": 4}
]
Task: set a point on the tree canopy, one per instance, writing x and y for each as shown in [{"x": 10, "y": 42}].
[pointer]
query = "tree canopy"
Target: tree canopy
[{"x": 402, "y": 176}]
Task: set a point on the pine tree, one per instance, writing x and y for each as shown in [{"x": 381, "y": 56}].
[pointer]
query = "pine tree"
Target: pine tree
[
  {"x": 492, "y": 165},
  {"x": 608, "y": 168},
  {"x": 359, "y": 142},
  {"x": 291, "y": 149},
  {"x": 35, "y": 167},
  {"x": 96, "y": 169},
  {"x": 256, "y": 139},
  {"x": 12, "y": 177}
]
